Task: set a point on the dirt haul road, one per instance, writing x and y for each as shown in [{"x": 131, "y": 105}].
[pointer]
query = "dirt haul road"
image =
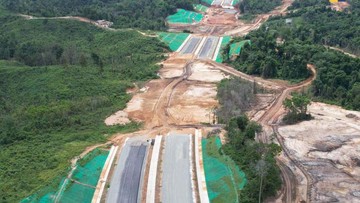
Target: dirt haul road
[
  {"x": 190, "y": 93},
  {"x": 268, "y": 121}
]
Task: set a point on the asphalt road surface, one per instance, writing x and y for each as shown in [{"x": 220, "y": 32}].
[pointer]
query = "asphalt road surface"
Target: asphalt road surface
[
  {"x": 191, "y": 45},
  {"x": 176, "y": 180},
  {"x": 207, "y": 51},
  {"x": 125, "y": 184}
]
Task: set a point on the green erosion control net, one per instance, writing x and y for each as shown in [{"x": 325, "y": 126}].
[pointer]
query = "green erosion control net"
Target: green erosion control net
[
  {"x": 234, "y": 2},
  {"x": 185, "y": 17},
  {"x": 235, "y": 48},
  {"x": 207, "y": 1},
  {"x": 224, "y": 42},
  {"x": 85, "y": 177},
  {"x": 224, "y": 179},
  {"x": 174, "y": 40},
  {"x": 80, "y": 188},
  {"x": 200, "y": 8}
]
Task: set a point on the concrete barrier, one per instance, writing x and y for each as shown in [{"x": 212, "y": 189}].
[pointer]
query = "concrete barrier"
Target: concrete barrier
[
  {"x": 104, "y": 175},
  {"x": 217, "y": 51},
  {"x": 151, "y": 186},
  {"x": 204, "y": 198}
]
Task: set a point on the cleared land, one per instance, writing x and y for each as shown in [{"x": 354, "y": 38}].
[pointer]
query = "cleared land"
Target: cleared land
[
  {"x": 176, "y": 177},
  {"x": 328, "y": 148},
  {"x": 126, "y": 182}
]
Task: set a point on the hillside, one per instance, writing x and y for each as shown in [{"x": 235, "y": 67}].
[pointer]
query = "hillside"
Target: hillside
[
  {"x": 125, "y": 13},
  {"x": 53, "y": 107},
  {"x": 282, "y": 50}
]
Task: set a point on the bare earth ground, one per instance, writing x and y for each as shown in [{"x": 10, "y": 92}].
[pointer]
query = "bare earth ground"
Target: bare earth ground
[
  {"x": 320, "y": 161},
  {"x": 328, "y": 147},
  {"x": 191, "y": 103}
]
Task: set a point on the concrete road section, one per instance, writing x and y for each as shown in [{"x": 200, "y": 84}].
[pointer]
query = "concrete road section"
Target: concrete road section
[
  {"x": 227, "y": 3},
  {"x": 191, "y": 45},
  {"x": 176, "y": 179},
  {"x": 125, "y": 186},
  {"x": 151, "y": 186},
  {"x": 208, "y": 50},
  {"x": 217, "y": 2}
]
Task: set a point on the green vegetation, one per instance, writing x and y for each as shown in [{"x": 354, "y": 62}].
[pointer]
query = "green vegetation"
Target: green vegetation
[
  {"x": 126, "y": 13},
  {"x": 281, "y": 50},
  {"x": 224, "y": 179},
  {"x": 269, "y": 60},
  {"x": 257, "y": 160},
  {"x": 174, "y": 40},
  {"x": 320, "y": 25},
  {"x": 297, "y": 107},
  {"x": 185, "y": 17},
  {"x": 258, "y": 6},
  {"x": 235, "y": 97},
  {"x": 54, "y": 108}
]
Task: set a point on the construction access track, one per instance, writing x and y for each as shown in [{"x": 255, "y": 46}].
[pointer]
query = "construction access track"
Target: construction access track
[{"x": 158, "y": 119}]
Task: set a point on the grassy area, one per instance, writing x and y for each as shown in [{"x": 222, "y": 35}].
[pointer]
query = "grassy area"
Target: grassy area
[
  {"x": 50, "y": 113},
  {"x": 174, "y": 40},
  {"x": 185, "y": 17}
]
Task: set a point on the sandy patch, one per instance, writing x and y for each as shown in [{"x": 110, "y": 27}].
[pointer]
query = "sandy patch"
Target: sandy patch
[
  {"x": 118, "y": 118},
  {"x": 204, "y": 72},
  {"x": 192, "y": 103},
  {"x": 328, "y": 147},
  {"x": 141, "y": 106}
]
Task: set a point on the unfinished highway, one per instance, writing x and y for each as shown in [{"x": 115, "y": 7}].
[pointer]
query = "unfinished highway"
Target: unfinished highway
[
  {"x": 176, "y": 176},
  {"x": 126, "y": 184}
]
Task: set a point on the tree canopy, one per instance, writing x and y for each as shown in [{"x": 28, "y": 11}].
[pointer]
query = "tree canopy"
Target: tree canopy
[
  {"x": 297, "y": 106},
  {"x": 142, "y": 14}
]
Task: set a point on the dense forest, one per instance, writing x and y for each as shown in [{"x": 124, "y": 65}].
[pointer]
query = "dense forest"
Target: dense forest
[
  {"x": 257, "y": 160},
  {"x": 258, "y": 6},
  {"x": 124, "y": 13},
  {"x": 60, "y": 81},
  {"x": 282, "y": 50},
  {"x": 315, "y": 22}
]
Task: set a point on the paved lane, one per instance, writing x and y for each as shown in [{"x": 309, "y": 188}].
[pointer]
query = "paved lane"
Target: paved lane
[
  {"x": 176, "y": 180},
  {"x": 208, "y": 50},
  {"x": 191, "y": 45},
  {"x": 125, "y": 186}
]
